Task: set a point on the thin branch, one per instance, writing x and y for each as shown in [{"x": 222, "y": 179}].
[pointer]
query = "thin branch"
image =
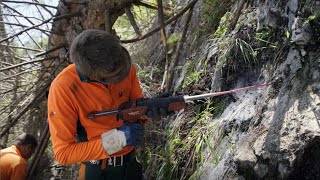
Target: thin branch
[
  {"x": 150, "y": 6},
  {"x": 25, "y": 94},
  {"x": 43, "y": 143},
  {"x": 42, "y": 15},
  {"x": 178, "y": 51},
  {"x": 46, "y": 21},
  {"x": 33, "y": 3},
  {"x": 26, "y": 17},
  {"x": 164, "y": 40},
  {"x": 24, "y": 26},
  {"x": 236, "y": 15},
  {"x": 6, "y": 63},
  {"x": 132, "y": 21},
  {"x": 51, "y": 50},
  {"x": 27, "y": 33},
  {"x": 25, "y": 30},
  {"x": 14, "y": 24},
  {"x": 20, "y": 73},
  {"x": 107, "y": 20},
  {"x": 20, "y": 47},
  {"x": 28, "y": 62},
  {"x": 35, "y": 42},
  {"x": 147, "y": 5},
  {"x": 37, "y": 97},
  {"x": 66, "y": 16},
  {"x": 185, "y": 9}
]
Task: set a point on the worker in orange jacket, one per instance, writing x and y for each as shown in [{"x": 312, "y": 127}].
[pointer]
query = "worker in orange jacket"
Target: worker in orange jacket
[
  {"x": 102, "y": 77},
  {"x": 13, "y": 160}
]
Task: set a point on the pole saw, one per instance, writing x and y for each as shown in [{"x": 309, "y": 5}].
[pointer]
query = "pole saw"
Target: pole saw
[{"x": 133, "y": 110}]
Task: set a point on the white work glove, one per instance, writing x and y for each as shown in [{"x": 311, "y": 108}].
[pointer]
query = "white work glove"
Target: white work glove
[{"x": 128, "y": 134}]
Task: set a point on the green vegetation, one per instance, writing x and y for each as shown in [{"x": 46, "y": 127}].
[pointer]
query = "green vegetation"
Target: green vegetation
[
  {"x": 211, "y": 13},
  {"x": 194, "y": 77},
  {"x": 174, "y": 38},
  {"x": 183, "y": 153},
  {"x": 224, "y": 24},
  {"x": 266, "y": 36},
  {"x": 314, "y": 21},
  {"x": 247, "y": 52}
]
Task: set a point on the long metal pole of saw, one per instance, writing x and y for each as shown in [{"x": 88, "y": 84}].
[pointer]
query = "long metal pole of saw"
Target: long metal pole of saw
[{"x": 207, "y": 95}]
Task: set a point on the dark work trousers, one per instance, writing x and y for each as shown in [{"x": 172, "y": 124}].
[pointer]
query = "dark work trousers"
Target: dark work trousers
[{"x": 130, "y": 170}]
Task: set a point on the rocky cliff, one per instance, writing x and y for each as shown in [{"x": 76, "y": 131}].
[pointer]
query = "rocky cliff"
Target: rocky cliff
[{"x": 266, "y": 133}]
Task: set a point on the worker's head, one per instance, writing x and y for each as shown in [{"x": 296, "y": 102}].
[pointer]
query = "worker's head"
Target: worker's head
[
  {"x": 100, "y": 57},
  {"x": 26, "y": 143}
]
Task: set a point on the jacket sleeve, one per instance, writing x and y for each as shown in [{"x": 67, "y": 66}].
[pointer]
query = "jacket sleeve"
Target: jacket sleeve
[
  {"x": 19, "y": 172},
  {"x": 136, "y": 91},
  {"x": 63, "y": 118}
]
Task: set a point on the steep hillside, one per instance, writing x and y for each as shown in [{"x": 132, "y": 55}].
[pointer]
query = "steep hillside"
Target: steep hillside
[{"x": 265, "y": 133}]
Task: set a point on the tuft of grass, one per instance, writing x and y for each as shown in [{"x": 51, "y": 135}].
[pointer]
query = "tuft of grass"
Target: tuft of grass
[
  {"x": 247, "y": 51},
  {"x": 265, "y": 36},
  {"x": 184, "y": 152}
]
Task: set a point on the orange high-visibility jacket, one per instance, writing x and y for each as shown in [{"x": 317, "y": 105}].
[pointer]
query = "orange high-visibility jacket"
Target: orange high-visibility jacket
[
  {"x": 70, "y": 100},
  {"x": 12, "y": 165}
]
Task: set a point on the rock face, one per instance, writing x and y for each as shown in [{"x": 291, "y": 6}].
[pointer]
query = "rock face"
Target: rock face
[
  {"x": 277, "y": 128},
  {"x": 271, "y": 132}
]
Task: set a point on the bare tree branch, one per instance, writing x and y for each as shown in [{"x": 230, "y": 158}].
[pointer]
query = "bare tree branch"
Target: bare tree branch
[
  {"x": 147, "y": 5},
  {"x": 46, "y": 21},
  {"x": 25, "y": 30},
  {"x": 26, "y": 17},
  {"x": 185, "y": 9},
  {"x": 24, "y": 26},
  {"x": 20, "y": 47},
  {"x": 178, "y": 51},
  {"x": 37, "y": 97},
  {"x": 27, "y": 2},
  {"x": 20, "y": 73},
  {"x": 107, "y": 20},
  {"x": 150, "y": 6},
  {"x": 26, "y": 93},
  {"x": 28, "y": 62},
  {"x": 51, "y": 50},
  {"x": 164, "y": 40},
  {"x": 43, "y": 143},
  {"x": 237, "y": 15},
  {"x": 35, "y": 42},
  {"x": 132, "y": 21}
]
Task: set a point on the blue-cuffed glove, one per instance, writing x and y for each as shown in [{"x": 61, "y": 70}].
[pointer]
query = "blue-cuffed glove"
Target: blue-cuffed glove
[
  {"x": 134, "y": 133},
  {"x": 126, "y": 135}
]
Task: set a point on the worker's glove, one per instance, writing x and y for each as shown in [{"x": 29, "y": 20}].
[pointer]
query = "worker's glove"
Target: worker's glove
[
  {"x": 126, "y": 135},
  {"x": 156, "y": 112}
]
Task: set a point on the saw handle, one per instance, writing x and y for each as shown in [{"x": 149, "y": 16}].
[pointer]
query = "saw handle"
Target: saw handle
[{"x": 133, "y": 110}]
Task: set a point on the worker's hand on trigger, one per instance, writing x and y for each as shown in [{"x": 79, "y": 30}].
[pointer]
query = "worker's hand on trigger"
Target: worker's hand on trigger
[
  {"x": 155, "y": 112},
  {"x": 126, "y": 135}
]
